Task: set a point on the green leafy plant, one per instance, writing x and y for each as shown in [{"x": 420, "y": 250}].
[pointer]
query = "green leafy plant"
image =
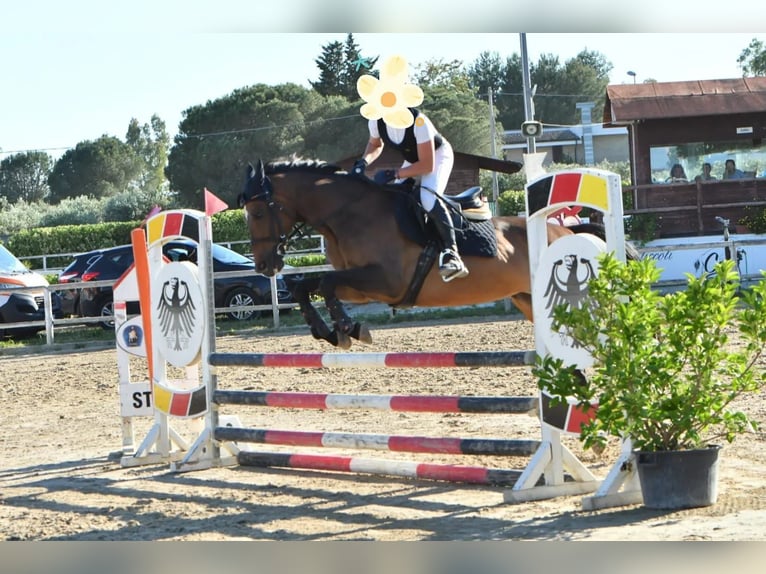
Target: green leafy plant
[
  {"x": 665, "y": 371},
  {"x": 512, "y": 202},
  {"x": 306, "y": 260},
  {"x": 754, "y": 219}
]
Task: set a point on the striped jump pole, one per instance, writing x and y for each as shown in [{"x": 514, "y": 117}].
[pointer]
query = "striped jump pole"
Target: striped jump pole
[
  {"x": 406, "y": 469},
  {"x": 402, "y": 403},
  {"x": 469, "y": 446},
  {"x": 375, "y": 360}
]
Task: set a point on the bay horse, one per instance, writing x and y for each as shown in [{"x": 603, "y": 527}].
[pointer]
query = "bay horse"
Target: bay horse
[{"x": 374, "y": 258}]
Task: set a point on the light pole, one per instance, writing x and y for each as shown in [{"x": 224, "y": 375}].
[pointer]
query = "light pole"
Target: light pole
[
  {"x": 492, "y": 129},
  {"x": 633, "y": 74},
  {"x": 529, "y": 107}
]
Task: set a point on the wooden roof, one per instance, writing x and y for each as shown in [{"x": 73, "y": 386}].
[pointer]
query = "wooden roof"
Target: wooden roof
[{"x": 628, "y": 103}]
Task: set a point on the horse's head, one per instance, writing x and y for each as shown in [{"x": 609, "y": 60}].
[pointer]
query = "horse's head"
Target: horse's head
[{"x": 267, "y": 221}]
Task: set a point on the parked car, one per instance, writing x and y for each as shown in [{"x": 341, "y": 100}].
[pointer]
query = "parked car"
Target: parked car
[
  {"x": 72, "y": 273},
  {"x": 17, "y": 307},
  {"x": 111, "y": 264}
]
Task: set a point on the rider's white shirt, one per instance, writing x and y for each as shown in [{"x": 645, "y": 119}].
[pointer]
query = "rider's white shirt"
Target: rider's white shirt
[
  {"x": 436, "y": 181},
  {"x": 423, "y": 133}
]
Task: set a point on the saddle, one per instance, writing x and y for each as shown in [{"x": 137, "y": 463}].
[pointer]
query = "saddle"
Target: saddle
[{"x": 470, "y": 203}]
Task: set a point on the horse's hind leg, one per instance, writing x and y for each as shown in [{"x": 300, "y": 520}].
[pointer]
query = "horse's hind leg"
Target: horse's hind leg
[{"x": 523, "y": 302}]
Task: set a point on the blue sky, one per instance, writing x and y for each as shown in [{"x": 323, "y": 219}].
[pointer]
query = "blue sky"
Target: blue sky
[{"x": 70, "y": 75}]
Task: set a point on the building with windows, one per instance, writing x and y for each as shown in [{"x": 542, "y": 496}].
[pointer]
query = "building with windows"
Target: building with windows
[
  {"x": 690, "y": 124},
  {"x": 587, "y": 143}
]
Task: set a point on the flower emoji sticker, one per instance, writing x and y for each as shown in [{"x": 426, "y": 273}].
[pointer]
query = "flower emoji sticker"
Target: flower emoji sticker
[{"x": 390, "y": 96}]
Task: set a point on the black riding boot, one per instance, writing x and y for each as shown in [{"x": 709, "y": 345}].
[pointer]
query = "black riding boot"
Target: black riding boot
[{"x": 450, "y": 265}]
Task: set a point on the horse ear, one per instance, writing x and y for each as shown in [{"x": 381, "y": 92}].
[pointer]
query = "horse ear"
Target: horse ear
[
  {"x": 260, "y": 172},
  {"x": 250, "y": 171}
]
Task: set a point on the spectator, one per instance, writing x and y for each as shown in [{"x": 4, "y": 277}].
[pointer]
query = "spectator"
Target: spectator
[
  {"x": 730, "y": 171},
  {"x": 677, "y": 174},
  {"x": 706, "y": 175}
]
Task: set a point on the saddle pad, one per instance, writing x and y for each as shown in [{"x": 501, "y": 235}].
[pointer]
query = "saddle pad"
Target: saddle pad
[{"x": 474, "y": 238}]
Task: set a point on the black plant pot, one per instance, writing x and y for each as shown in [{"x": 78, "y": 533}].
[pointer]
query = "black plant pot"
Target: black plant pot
[{"x": 678, "y": 479}]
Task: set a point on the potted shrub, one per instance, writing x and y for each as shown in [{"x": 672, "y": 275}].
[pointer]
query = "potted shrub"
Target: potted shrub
[{"x": 665, "y": 371}]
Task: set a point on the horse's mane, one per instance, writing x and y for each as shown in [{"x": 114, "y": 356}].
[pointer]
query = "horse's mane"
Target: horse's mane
[{"x": 315, "y": 165}]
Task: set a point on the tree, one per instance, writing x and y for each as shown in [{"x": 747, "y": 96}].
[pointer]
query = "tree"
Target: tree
[
  {"x": 24, "y": 176},
  {"x": 330, "y": 64},
  {"x": 334, "y": 129},
  {"x": 461, "y": 117},
  {"x": 96, "y": 169},
  {"x": 435, "y": 73},
  {"x": 506, "y": 82},
  {"x": 487, "y": 73},
  {"x": 340, "y": 66},
  {"x": 150, "y": 143},
  {"x": 585, "y": 79},
  {"x": 559, "y": 86},
  {"x": 216, "y": 141},
  {"x": 752, "y": 60}
]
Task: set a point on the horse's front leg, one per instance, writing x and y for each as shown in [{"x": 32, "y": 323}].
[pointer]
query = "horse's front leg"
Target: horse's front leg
[
  {"x": 363, "y": 279},
  {"x": 319, "y": 328}
]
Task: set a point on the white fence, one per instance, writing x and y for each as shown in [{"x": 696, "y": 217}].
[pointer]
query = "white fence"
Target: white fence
[{"x": 51, "y": 323}]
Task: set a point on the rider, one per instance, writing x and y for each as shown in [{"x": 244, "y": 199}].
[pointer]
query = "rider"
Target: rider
[{"x": 427, "y": 154}]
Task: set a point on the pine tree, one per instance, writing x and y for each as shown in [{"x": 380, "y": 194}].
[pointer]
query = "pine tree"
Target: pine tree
[{"x": 340, "y": 66}]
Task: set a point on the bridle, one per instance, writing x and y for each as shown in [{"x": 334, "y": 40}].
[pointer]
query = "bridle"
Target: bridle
[{"x": 276, "y": 231}]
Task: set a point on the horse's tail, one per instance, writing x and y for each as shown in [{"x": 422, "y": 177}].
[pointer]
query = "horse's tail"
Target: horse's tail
[{"x": 631, "y": 253}]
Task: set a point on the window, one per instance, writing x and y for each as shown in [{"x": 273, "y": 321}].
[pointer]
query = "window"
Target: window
[{"x": 749, "y": 157}]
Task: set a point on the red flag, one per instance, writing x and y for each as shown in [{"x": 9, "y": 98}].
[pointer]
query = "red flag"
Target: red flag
[
  {"x": 152, "y": 212},
  {"x": 213, "y": 204}
]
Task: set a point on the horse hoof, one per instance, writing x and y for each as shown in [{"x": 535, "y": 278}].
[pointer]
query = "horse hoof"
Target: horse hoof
[
  {"x": 344, "y": 341},
  {"x": 362, "y": 333}
]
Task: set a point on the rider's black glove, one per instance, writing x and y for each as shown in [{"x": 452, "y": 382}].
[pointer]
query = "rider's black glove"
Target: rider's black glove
[
  {"x": 359, "y": 166},
  {"x": 383, "y": 176}
]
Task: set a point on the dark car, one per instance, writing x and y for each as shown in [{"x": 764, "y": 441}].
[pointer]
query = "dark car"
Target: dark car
[
  {"x": 239, "y": 291},
  {"x": 72, "y": 273},
  {"x": 251, "y": 289}
]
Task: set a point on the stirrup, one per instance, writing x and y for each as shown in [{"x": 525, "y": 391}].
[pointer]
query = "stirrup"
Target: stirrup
[{"x": 451, "y": 266}]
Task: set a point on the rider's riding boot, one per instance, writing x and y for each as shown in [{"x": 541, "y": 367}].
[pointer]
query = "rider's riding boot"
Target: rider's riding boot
[{"x": 450, "y": 265}]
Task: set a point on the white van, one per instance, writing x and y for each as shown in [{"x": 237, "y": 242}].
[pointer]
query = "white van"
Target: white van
[{"x": 19, "y": 306}]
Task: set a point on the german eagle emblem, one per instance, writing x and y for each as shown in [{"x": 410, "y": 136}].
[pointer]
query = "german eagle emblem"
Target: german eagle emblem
[
  {"x": 570, "y": 286},
  {"x": 176, "y": 313}
]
